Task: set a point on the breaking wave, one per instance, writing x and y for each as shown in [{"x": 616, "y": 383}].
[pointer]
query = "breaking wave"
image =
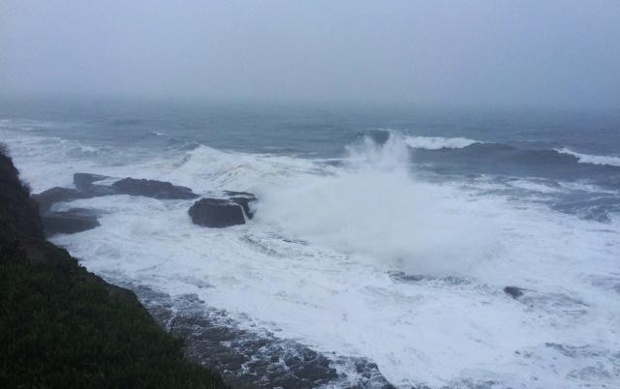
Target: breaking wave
[
  {"x": 438, "y": 143},
  {"x": 592, "y": 159}
]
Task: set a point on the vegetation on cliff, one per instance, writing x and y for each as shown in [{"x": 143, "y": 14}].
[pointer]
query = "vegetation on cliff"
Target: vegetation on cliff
[{"x": 63, "y": 327}]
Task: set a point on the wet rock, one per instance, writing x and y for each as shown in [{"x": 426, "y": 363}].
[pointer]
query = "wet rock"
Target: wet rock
[
  {"x": 368, "y": 374},
  {"x": 100, "y": 190},
  {"x": 87, "y": 188},
  {"x": 57, "y": 194},
  {"x": 514, "y": 291},
  {"x": 245, "y": 199},
  {"x": 217, "y": 213},
  {"x": 254, "y": 358},
  {"x": 246, "y": 359},
  {"x": 84, "y": 181},
  {"x": 152, "y": 188},
  {"x": 69, "y": 222}
]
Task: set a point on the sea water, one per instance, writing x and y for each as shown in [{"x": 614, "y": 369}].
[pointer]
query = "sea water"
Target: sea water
[{"x": 383, "y": 233}]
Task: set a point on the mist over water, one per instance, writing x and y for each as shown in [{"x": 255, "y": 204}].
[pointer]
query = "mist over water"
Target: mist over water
[{"x": 555, "y": 53}]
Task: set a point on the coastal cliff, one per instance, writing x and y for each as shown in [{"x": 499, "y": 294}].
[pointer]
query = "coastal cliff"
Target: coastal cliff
[{"x": 63, "y": 327}]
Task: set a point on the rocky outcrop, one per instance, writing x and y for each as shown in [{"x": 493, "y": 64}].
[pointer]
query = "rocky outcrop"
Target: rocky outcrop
[
  {"x": 236, "y": 209},
  {"x": 216, "y": 213},
  {"x": 87, "y": 184},
  {"x": 87, "y": 187},
  {"x": 219, "y": 213}
]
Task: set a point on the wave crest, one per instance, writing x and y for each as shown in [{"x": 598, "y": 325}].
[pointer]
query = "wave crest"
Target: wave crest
[
  {"x": 438, "y": 143},
  {"x": 591, "y": 159}
]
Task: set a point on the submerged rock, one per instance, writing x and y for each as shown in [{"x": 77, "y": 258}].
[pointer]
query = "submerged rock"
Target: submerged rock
[
  {"x": 57, "y": 194},
  {"x": 69, "y": 222},
  {"x": 217, "y": 213},
  {"x": 514, "y": 292},
  {"x": 84, "y": 181}
]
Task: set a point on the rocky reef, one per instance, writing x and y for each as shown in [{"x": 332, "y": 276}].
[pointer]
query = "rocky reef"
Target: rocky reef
[{"x": 233, "y": 209}]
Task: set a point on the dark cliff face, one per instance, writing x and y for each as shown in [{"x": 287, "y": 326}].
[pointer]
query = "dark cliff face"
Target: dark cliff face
[{"x": 19, "y": 214}]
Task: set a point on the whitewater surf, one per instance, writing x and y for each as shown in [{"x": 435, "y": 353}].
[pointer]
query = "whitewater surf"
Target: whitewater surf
[{"x": 447, "y": 261}]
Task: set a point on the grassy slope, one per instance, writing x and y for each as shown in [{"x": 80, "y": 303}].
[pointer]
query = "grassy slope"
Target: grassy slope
[{"x": 63, "y": 327}]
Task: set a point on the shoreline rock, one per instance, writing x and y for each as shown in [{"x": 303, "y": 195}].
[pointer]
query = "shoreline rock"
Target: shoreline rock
[
  {"x": 216, "y": 213},
  {"x": 220, "y": 213}
]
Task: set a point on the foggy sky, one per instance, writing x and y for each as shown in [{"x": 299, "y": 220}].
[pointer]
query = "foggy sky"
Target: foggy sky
[{"x": 560, "y": 53}]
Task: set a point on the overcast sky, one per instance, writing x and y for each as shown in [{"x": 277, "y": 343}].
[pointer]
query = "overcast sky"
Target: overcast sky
[{"x": 562, "y": 53}]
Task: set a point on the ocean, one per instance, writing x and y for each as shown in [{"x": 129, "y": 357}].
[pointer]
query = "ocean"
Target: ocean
[{"x": 382, "y": 234}]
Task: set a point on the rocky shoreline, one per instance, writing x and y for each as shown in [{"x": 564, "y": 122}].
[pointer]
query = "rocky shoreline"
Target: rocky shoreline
[
  {"x": 243, "y": 359},
  {"x": 254, "y": 359}
]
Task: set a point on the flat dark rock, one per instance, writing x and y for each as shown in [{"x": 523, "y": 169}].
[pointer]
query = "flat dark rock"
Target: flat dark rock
[
  {"x": 69, "y": 222},
  {"x": 87, "y": 187},
  {"x": 152, "y": 188},
  {"x": 217, "y": 213}
]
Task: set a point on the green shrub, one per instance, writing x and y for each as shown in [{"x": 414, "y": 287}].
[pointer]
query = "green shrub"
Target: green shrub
[{"x": 62, "y": 327}]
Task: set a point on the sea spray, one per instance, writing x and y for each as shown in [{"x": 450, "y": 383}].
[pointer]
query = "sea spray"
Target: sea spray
[{"x": 374, "y": 206}]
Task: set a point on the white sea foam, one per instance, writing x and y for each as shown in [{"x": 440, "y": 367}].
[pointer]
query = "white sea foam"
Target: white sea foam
[
  {"x": 437, "y": 143},
  {"x": 592, "y": 159},
  {"x": 374, "y": 207},
  {"x": 315, "y": 264}
]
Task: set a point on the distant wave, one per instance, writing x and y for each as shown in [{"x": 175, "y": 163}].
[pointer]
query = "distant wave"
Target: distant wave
[
  {"x": 25, "y": 124},
  {"x": 127, "y": 122},
  {"x": 592, "y": 159},
  {"x": 437, "y": 143}
]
